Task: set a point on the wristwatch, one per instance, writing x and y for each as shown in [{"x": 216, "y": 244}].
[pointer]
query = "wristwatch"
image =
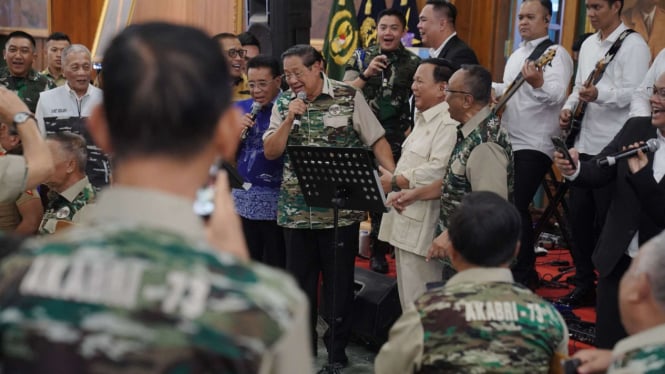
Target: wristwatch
[
  {"x": 393, "y": 184},
  {"x": 22, "y": 117}
]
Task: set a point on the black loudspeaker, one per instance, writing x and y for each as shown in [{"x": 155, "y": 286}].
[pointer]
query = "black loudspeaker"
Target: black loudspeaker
[{"x": 376, "y": 306}]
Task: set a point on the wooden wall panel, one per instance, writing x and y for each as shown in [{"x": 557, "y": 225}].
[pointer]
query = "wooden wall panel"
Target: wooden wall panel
[
  {"x": 76, "y": 18},
  {"x": 484, "y": 25},
  {"x": 214, "y": 16}
]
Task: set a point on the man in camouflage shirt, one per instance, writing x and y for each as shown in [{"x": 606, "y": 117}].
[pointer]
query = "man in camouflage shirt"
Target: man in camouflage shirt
[
  {"x": 384, "y": 73},
  {"x": 70, "y": 191},
  {"x": 642, "y": 306},
  {"x": 481, "y": 321},
  {"x": 333, "y": 114},
  {"x": 137, "y": 287},
  {"x": 19, "y": 76}
]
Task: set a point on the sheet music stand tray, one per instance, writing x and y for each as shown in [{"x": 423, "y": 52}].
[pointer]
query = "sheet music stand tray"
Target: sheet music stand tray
[{"x": 337, "y": 178}]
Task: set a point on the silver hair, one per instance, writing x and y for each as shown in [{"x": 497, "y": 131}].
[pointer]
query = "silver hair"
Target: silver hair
[
  {"x": 75, "y": 48},
  {"x": 74, "y": 145},
  {"x": 652, "y": 262}
]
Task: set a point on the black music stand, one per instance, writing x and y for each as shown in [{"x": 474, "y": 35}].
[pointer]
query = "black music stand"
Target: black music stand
[{"x": 331, "y": 177}]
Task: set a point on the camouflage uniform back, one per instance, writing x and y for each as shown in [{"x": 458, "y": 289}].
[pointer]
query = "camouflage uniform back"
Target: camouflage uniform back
[
  {"x": 113, "y": 298},
  {"x": 28, "y": 88},
  {"x": 645, "y": 360},
  {"x": 494, "y": 327},
  {"x": 455, "y": 182},
  {"x": 328, "y": 122}
]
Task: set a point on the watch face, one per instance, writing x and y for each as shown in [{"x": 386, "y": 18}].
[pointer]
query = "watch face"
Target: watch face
[{"x": 21, "y": 117}]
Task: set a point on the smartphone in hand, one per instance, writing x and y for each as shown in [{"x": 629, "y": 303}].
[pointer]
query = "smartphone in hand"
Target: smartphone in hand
[{"x": 560, "y": 147}]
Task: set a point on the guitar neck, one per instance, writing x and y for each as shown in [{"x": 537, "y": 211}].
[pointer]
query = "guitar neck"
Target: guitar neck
[{"x": 517, "y": 83}]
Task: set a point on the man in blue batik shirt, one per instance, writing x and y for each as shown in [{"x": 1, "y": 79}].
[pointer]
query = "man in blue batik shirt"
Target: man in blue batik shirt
[{"x": 257, "y": 206}]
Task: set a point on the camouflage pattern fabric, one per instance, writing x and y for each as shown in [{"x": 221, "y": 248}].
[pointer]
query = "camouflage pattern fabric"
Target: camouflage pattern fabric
[
  {"x": 455, "y": 183},
  {"x": 27, "y": 88},
  {"x": 645, "y": 360},
  {"x": 59, "y": 81},
  {"x": 388, "y": 93},
  {"x": 493, "y": 327},
  {"x": 114, "y": 298},
  {"x": 328, "y": 122},
  {"x": 61, "y": 209}
]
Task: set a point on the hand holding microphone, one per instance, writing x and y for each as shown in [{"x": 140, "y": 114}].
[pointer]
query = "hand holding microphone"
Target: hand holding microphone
[
  {"x": 652, "y": 145},
  {"x": 256, "y": 108},
  {"x": 296, "y": 121}
]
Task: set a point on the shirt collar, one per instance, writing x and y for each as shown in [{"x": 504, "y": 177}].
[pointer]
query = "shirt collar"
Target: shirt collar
[
  {"x": 325, "y": 90},
  {"x": 147, "y": 207},
  {"x": 645, "y": 338},
  {"x": 72, "y": 92},
  {"x": 613, "y": 36},
  {"x": 481, "y": 275},
  {"x": 75, "y": 189},
  {"x": 532, "y": 44},
  {"x": 436, "y": 52},
  {"x": 475, "y": 121},
  {"x": 434, "y": 111}
]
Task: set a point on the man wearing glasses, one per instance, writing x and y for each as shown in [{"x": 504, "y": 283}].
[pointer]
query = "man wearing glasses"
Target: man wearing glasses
[
  {"x": 257, "y": 206},
  {"x": 332, "y": 114},
  {"x": 636, "y": 212},
  {"x": 482, "y": 159},
  {"x": 235, "y": 56}
]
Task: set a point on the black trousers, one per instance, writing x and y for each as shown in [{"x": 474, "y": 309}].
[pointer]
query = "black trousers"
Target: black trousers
[
  {"x": 265, "y": 240},
  {"x": 530, "y": 169},
  {"x": 588, "y": 210},
  {"x": 309, "y": 253},
  {"x": 609, "y": 329}
]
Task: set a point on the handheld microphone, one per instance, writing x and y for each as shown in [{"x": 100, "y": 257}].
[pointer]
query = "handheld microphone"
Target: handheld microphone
[
  {"x": 296, "y": 121},
  {"x": 651, "y": 146},
  {"x": 256, "y": 107}
]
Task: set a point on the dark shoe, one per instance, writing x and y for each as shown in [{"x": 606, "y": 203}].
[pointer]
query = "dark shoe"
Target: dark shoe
[
  {"x": 580, "y": 297},
  {"x": 379, "y": 264},
  {"x": 336, "y": 366}
]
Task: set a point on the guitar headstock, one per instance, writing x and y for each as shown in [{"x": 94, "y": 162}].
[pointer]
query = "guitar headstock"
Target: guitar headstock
[{"x": 546, "y": 58}]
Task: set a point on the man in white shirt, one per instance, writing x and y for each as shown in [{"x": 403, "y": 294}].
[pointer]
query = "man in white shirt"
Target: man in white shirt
[
  {"x": 639, "y": 106},
  {"x": 607, "y": 110},
  {"x": 425, "y": 155},
  {"x": 636, "y": 212},
  {"x": 437, "y": 30},
  {"x": 531, "y": 117},
  {"x": 66, "y": 108}
]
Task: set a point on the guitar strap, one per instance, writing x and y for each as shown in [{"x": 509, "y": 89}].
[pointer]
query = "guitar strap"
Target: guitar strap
[
  {"x": 540, "y": 49},
  {"x": 537, "y": 52},
  {"x": 609, "y": 56}
]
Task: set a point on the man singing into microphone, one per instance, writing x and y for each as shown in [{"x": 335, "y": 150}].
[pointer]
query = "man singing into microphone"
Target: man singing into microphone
[
  {"x": 637, "y": 210},
  {"x": 257, "y": 206},
  {"x": 333, "y": 114}
]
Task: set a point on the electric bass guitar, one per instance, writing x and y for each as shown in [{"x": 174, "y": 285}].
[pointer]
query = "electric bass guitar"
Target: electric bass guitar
[
  {"x": 545, "y": 59},
  {"x": 580, "y": 108}
]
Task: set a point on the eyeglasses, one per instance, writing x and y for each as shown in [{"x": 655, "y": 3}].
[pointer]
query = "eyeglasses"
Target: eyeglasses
[
  {"x": 456, "y": 91},
  {"x": 262, "y": 85},
  {"x": 236, "y": 52},
  {"x": 296, "y": 75},
  {"x": 658, "y": 91}
]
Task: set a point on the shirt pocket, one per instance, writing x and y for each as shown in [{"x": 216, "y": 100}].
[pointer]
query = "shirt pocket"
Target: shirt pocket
[{"x": 335, "y": 121}]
